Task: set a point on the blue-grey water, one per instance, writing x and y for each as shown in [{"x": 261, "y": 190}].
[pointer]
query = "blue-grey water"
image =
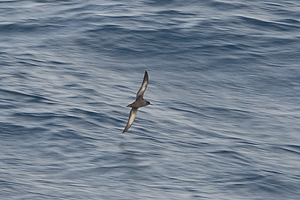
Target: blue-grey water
[{"x": 224, "y": 84}]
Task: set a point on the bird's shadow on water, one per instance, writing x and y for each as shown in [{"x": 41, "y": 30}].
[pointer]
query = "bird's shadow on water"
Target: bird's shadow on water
[
  {"x": 122, "y": 145},
  {"x": 127, "y": 152},
  {"x": 131, "y": 149},
  {"x": 132, "y": 160}
]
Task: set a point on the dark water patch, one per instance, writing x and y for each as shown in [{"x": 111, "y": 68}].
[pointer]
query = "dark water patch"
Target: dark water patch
[
  {"x": 33, "y": 116},
  {"x": 53, "y": 1},
  {"x": 174, "y": 13},
  {"x": 295, "y": 147},
  {"x": 276, "y": 187},
  {"x": 160, "y": 3},
  {"x": 89, "y": 118},
  {"x": 11, "y": 161},
  {"x": 86, "y": 113},
  {"x": 17, "y": 28},
  {"x": 12, "y": 130},
  {"x": 226, "y": 6},
  {"x": 234, "y": 156},
  {"x": 265, "y": 25},
  {"x": 71, "y": 136},
  {"x": 15, "y": 95},
  {"x": 185, "y": 107},
  {"x": 28, "y": 27},
  {"x": 6, "y": 104},
  {"x": 67, "y": 122},
  {"x": 291, "y": 22},
  {"x": 229, "y": 112},
  {"x": 292, "y": 149},
  {"x": 194, "y": 144}
]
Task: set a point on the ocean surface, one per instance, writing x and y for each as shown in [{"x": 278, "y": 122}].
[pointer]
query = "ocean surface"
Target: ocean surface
[{"x": 224, "y": 81}]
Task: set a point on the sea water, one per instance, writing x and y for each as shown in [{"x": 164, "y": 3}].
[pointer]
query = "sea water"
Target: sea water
[{"x": 224, "y": 81}]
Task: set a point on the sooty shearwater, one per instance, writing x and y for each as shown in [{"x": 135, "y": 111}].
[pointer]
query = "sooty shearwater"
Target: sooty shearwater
[{"x": 139, "y": 102}]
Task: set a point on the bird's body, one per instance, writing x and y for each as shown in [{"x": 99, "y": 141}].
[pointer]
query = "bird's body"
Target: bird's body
[{"x": 139, "y": 102}]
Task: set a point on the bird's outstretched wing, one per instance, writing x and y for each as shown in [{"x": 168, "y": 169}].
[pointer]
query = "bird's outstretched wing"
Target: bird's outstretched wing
[
  {"x": 131, "y": 119},
  {"x": 143, "y": 88}
]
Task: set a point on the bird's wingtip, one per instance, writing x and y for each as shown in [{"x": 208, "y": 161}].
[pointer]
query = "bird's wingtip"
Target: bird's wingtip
[{"x": 125, "y": 129}]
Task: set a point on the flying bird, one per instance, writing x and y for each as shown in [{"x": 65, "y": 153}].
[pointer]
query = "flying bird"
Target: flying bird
[{"x": 139, "y": 102}]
